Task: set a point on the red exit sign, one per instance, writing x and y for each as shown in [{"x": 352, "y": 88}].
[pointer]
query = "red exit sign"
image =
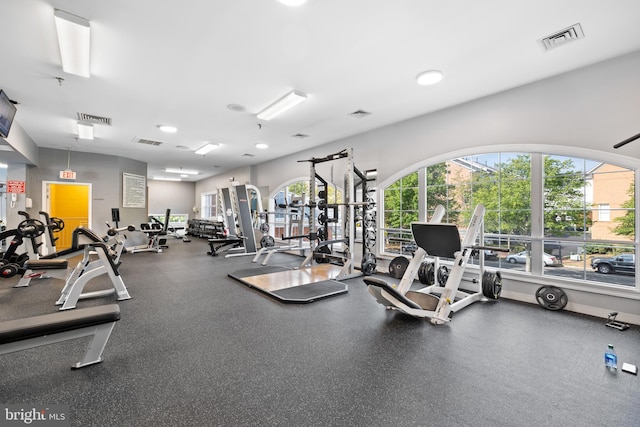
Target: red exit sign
[{"x": 68, "y": 174}]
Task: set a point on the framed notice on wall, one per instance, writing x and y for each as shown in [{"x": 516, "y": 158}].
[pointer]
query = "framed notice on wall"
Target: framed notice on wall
[{"x": 134, "y": 190}]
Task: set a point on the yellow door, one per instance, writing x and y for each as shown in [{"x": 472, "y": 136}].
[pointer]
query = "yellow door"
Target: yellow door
[{"x": 69, "y": 202}]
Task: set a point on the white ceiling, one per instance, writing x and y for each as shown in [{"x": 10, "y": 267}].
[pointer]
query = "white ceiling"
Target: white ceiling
[{"x": 181, "y": 63}]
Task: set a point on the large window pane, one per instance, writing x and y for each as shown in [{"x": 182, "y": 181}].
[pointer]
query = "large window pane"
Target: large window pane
[{"x": 584, "y": 204}]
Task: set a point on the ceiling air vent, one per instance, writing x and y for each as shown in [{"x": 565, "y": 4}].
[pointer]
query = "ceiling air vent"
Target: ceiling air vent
[
  {"x": 149, "y": 142},
  {"x": 561, "y": 37},
  {"x": 300, "y": 136},
  {"x": 82, "y": 117},
  {"x": 359, "y": 114}
]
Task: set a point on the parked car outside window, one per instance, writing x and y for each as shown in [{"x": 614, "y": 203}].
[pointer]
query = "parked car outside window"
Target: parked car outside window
[
  {"x": 521, "y": 258},
  {"x": 623, "y": 263}
]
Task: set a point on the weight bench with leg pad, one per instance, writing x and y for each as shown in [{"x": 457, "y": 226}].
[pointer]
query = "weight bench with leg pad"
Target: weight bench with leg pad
[{"x": 96, "y": 322}]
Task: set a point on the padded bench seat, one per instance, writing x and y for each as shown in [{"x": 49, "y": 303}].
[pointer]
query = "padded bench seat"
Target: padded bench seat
[
  {"x": 46, "y": 264},
  {"x": 30, "y": 332}
]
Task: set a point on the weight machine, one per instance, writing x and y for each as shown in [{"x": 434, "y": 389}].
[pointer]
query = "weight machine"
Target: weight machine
[
  {"x": 321, "y": 244},
  {"x": 238, "y": 213},
  {"x": 436, "y": 302}
]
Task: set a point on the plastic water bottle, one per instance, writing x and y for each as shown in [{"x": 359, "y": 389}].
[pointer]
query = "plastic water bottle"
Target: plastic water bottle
[{"x": 610, "y": 358}]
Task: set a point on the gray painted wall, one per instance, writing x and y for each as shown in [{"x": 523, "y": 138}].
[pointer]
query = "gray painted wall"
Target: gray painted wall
[
  {"x": 177, "y": 196},
  {"x": 103, "y": 172}
]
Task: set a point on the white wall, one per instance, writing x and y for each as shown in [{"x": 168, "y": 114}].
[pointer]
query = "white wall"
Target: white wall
[{"x": 177, "y": 196}]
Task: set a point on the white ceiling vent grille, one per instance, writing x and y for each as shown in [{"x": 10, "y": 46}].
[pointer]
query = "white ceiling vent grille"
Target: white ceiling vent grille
[
  {"x": 359, "y": 114},
  {"x": 89, "y": 118},
  {"x": 149, "y": 142},
  {"x": 561, "y": 37}
]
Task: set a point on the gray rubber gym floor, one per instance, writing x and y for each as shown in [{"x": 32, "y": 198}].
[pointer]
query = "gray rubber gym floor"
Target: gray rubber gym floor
[{"x": 197, "y": 348}]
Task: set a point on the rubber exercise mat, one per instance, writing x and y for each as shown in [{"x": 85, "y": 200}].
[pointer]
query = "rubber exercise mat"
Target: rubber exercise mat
[{"x": 311, "y": 292}]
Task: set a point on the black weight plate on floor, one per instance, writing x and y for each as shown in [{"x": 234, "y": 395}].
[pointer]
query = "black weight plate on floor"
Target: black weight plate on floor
[
  {"x": 491, "y": 284},
  {"x": 398, "y": 266},
  {"x": 551, "y": 297}
]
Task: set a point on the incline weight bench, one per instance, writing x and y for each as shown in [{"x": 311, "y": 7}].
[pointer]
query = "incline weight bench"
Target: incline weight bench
[{"x": 96, "y": 322}]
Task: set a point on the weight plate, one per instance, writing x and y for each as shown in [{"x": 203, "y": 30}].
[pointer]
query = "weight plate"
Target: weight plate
[
  {"x": 264, "y": 227},
  {"x": 398, "y": 266},
  {"x": 491, "y": 284},
  {"x": 322, "y": 234},
  {"x": 443, "y": 275},
  {"x": 267, "y": 242},
  {"x": 322, "y": 218},
  {"x": 30, "y": 228},
  {"x": 368, "y": 264},
  {"x": 9, "y": 270},
  {"x": 319, "y": 252},
  {"x": 425, "y": 273},
  {"x": 551, "y": 297},
  {"x": 57, "y": 224}
]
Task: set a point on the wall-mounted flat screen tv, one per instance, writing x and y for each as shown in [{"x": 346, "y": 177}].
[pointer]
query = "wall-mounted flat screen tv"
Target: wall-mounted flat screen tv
[{"x": 7, "y": 113}]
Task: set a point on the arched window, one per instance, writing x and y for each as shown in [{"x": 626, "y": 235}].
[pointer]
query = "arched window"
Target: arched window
[{"x": 569, "y": 217}]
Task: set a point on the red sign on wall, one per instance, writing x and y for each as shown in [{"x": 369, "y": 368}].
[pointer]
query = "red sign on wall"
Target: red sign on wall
[{"x": 15, "y": 186}]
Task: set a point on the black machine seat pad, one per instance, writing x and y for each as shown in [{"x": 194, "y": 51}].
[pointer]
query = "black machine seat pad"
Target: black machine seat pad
[
  {"x": 61, "y": 321},
  {"x": 384, "y": 285},
  {"x": 439, "y": 240},
  {"x": 46, "y": 264}
]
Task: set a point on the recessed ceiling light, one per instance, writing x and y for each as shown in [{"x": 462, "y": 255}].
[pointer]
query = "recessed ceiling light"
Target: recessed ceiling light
[
  {"x": 292, "y": 2},
  {"x": 184, "y": 175},
  {"x": 262, "y": 145},
  {"x": 430, "y": 77},
  {"x": 164, "y": 178},
  {"x": 167, "y": 128}
]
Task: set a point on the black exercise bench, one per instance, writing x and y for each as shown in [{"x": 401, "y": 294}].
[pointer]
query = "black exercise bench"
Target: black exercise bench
[{"x": 96, "y": 322}]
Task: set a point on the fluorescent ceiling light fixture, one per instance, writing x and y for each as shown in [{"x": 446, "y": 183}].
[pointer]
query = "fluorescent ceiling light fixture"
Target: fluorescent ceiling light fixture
[
  {"x": 429, "y": 77},
  {"x": 206, "y": 148},
  {"x": 168, "y": 129},
  {"x": 181, "y": 171},
  {"x": 262, "y": 145},
  {"x": 85, "y": 131},
  {"x": 293, "y": 2},
  {"x": 283, "y": 104},
  {"x": 74, "y": 39},
  {"x": 3, "y": 165},
  {"x": 164, "y": 178}
]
